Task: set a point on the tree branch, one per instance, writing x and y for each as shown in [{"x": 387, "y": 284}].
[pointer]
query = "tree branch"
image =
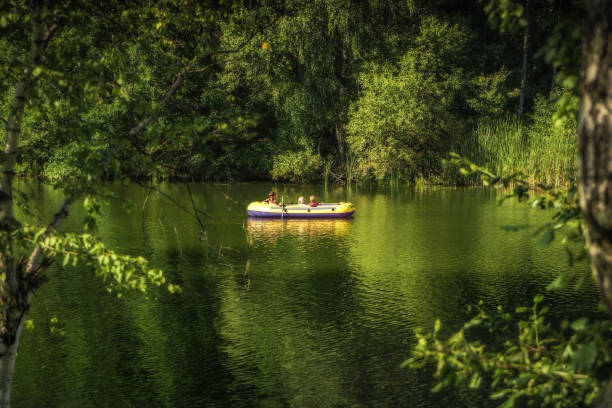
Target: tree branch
[
  {"x": 175, "y": 202},
  {"x": 48, "y": 35},
  {"x": 239, "y": 47},
  {"x": 38, "y": 249},
  {"x": 136, "y": 130},
  {"x": 195, "y": 212},
  {"x": 202, "y": 69}
]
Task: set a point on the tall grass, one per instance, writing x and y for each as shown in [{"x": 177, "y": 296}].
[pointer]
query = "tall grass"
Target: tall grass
[
  {"x": 327, "y": 168},
  {"x": 542, "y": 151}
]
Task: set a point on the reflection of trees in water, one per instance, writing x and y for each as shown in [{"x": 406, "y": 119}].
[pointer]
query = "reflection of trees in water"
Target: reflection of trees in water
[
  {"x": 434, "y": 253},
  {"x": 322, "y": 315},
  {"x": 149, "y": 353},
  {"x": 288, "y": 335}
]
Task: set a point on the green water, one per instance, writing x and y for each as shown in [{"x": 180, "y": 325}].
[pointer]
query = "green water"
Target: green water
[{"x": 279, "y": 314}]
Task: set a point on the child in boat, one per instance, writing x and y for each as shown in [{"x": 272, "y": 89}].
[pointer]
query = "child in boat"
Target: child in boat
[
  {"x": 301, "y": 200},
  {"x": 271, "y": 198},
  {"x": 313, "y": 201}
]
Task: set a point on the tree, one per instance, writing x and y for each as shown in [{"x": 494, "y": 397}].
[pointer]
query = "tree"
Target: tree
[
  {"x": 308, "y": 77},
  {"x": 408, "y": 117},
  {"x": 561, "y": 371},
  {"x": 77, "y": 66},
  {"x": 524, "y": 67},
  {"x": 595, "y": 145}
]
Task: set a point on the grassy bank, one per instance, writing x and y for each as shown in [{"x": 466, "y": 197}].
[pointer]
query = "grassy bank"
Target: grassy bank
[{"x": 543, "y": 151}]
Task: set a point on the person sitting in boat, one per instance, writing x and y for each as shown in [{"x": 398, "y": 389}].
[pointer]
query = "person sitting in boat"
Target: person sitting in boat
[
  {"x": 313, "y": 201},
  {"x": 271, "y": 198},
  {"x": 301, "y": 200}
]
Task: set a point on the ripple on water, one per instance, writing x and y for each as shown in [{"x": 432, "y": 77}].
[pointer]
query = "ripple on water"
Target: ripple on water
[{"x": 322, "y": 317}]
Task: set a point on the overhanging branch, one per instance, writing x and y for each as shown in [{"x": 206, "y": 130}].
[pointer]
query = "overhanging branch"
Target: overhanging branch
[{"x": 58, "y": 217}]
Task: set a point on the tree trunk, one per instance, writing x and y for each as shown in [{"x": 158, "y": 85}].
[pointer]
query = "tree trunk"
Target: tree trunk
[
  {"x": 8, "y": 354},
  {"x": 7, "y": 366},
  {"x": 595, "y": 147},
  {"x": 340, "y": 141},
  {"x": 595, "y": 143},
  {"x": 554, "y": 68},
  {"x": 525, "y": 50},
  {"x": 15, "y": 290}
]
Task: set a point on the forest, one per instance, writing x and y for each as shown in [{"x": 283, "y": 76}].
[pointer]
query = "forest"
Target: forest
[
  {"x": 126, "y": 124},
  {"x": 335, "y": 91}
]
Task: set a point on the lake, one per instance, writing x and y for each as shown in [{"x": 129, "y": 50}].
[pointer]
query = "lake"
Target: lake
[{"x": 294, "y": 313}]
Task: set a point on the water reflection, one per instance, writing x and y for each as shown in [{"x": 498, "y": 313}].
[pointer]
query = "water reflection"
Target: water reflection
[
  {"x": 302, "y": 313},
  {"x": 269, "y": 229}
]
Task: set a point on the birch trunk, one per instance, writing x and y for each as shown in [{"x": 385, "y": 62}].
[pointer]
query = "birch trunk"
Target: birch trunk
[
  {"x": 15, "y": 293},
  {"x": 595, "y": 148},
  {"x": 8, "y": 355}
]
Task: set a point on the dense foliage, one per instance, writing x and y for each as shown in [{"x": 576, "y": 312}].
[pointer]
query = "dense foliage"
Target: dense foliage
[
  {"x": 530, "y": 361},
  {"x": 292, "y": 91},
  {"x": 298, "y": 91},
  {"x": 518, "y": 357}
]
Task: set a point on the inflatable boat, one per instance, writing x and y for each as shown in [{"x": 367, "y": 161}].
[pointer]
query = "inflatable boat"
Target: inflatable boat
[{"x": 323, "y": 210}]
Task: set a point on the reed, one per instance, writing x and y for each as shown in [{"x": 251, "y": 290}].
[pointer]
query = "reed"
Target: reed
[
  {"x": 351, "y": 164},
  {"x": 327, "y": 168},
  {"x": 543, "y": 152}
]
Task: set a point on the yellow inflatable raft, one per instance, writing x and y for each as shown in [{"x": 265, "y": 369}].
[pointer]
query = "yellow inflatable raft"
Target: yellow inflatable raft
[{"x": 323, "y": 210}]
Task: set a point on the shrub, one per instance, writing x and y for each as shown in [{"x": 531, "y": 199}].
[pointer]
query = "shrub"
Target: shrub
[
  {"x": 407, "y": 117},
  {"x": 301, "y": 166}
]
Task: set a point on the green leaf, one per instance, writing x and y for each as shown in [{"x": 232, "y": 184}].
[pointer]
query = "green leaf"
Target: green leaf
[
  {"x": 500, "y": 394},
  {"x": 524, "y": 378},
  {"x": 472, "y": 323},
  {"x": 584, "y": 356},
  {"x": 509, "y": 403},
  {"x": 438, "y": 387},
  {"x": 580, "y": 324},
  {"x": 475, "y": 381},
  {"x": 66, "y": 260},
  {"x": 437, "y": 325},
  {"x": 561, "y": 282},
  {"x": 406, "y": 363},
  {"x": 570, "y": 82},
  {"x": 546, "y": 237}
]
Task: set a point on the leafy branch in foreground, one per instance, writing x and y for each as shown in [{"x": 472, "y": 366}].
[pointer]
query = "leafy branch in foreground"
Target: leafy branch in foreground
[
  {"x": 531, "y": 360},
  {"x": 563, "y": 201},
  {"x": 119, "y": 272},
  {"x": 525, "y": 358}
]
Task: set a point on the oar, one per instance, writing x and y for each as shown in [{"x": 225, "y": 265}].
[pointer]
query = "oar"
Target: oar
[{"x": 282, "y": 206}]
